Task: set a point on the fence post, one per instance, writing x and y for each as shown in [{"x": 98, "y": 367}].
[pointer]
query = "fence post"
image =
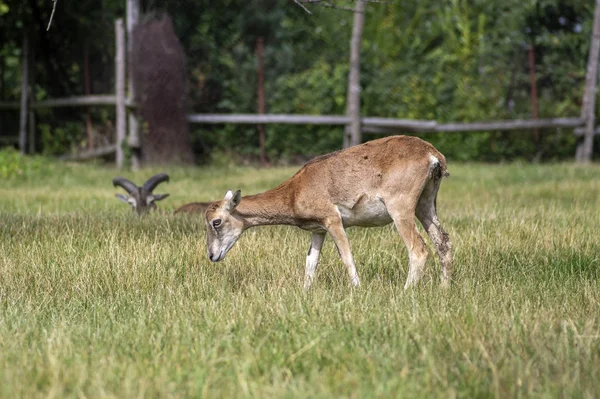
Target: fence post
[
  {"x": 586, "y": 147},
  {"x": 261, "y": 98},
  {"x": 121, "y": 112},
  {"x": 24, "y": 94},
  {"x": 352, "y": 133},
  {"x": 133, "y": 16}
]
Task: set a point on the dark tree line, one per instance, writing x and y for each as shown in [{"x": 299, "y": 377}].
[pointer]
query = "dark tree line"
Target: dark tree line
[{"x": 426, "y": 59}]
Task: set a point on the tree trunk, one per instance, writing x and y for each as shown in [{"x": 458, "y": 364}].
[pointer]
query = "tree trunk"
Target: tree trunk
[
  {"x": 159, "y": 73},
  {"x": 352, "y": 133}
]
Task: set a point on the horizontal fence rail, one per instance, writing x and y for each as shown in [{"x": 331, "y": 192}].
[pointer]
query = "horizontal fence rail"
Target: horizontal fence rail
[
  {"x": 511, "y": 125},
  {"x": 75, "y": 101},
  {"x": 269, "y": 119},
  {"x": 369, "y": 124},
  {"x": 386, "y": 125},
  {"x": 10, "y": 105},
  {"x": 78, "y": 101}
]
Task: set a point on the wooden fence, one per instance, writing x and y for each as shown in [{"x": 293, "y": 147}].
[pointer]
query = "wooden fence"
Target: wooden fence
[
  {"x": 118, "y": 100},
  {"x": 122, "y": 100},
  {"x": 124, "y": 105},
  {"x": 388, "y": 125}
]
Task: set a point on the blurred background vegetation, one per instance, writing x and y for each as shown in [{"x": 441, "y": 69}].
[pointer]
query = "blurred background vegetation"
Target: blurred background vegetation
[{"x": 448, "y": 60}]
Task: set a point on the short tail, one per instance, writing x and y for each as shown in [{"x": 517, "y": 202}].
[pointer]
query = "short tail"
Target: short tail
[{"x": 437, "y": 167}]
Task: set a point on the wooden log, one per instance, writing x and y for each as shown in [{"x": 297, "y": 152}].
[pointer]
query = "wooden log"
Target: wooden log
[
  {"x": 121, "y": 111},
  {"x": 95, "y": 153}
]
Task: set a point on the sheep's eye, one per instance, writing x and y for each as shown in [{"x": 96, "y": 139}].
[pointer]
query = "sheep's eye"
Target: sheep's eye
[{"x": 216, "y": 223}]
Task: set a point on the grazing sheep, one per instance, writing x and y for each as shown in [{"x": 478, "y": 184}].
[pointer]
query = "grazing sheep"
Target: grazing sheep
[
  {"x": 393, "y": 179},
  {"x": 141, "y": 198}
]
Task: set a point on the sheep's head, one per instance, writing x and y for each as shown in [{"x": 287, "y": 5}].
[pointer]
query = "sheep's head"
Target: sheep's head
[{"x": 141, "y": 198}]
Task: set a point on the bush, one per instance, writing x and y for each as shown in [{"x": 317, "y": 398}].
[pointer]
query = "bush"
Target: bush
[{"x": 13, "y": 165}]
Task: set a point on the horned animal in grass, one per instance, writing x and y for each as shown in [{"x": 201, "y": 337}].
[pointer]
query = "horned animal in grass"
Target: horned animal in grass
[
  {"x": 141, "y": 198},
  {"x": 387, "y": 180}
]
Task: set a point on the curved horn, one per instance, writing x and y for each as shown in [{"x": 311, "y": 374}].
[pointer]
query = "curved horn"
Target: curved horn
[
  {"x": 154, "y": 181},
  {"x": 129, "y": 186}
]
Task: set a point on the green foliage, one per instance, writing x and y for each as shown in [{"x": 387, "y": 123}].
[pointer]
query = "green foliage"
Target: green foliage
[
  {"x": 61, "y": 139},
  {"x": 320, "y": 90},
  {"x": 11, "y": 163},
  {"x": 97, "y": 302},
  {"x": 450, "y": 60},
  {"x": 14, "y": 165}
]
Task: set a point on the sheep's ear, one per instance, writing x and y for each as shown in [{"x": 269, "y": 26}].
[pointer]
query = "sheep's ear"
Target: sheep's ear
[
  {"x": 122, "y": 197},
  {"x": 155, "y": 197},
  {"x": 233, "y": 200},
  {"x": 130, "y": 200}
]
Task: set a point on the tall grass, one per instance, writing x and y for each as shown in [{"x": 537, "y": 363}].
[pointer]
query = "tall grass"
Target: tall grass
[{"x": 97, "y": 302}]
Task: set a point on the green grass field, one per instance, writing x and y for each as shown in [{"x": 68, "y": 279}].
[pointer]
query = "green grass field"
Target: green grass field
[{"x": 96, "y": 302}]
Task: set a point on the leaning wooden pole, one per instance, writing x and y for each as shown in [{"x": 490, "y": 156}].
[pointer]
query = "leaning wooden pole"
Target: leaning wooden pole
[
  {"x": 121, "y": 112},
  {"x": 586, "y": 147},
  {"x": 133, "y": 16},
  {"x": 24, "y": 94},
  {"x": 352, "y": 133}
]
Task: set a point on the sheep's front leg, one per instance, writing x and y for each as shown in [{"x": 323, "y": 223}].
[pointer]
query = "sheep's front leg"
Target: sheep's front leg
[
  {"x": 336, "y": 229},
  {"x": 312, "y": 258}
]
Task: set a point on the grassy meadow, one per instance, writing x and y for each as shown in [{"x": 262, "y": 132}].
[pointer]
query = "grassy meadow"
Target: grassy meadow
[{"x": 96, "y": 302}]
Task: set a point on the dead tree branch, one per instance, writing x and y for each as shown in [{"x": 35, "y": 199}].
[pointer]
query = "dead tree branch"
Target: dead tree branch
[
  {"x": 304, "y": 8},
  {"x": 52, "y": 15}
]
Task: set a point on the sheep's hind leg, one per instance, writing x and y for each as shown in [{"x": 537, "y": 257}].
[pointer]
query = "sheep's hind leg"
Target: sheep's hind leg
[{"x": 312, "y": 258}]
